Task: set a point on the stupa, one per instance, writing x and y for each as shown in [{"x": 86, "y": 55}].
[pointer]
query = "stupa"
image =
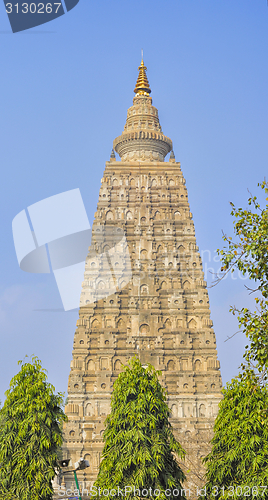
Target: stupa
[{"x": 143, "y": 294}]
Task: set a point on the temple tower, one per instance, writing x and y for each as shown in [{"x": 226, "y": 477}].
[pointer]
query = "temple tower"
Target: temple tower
[{"x": 143, "y": 293}]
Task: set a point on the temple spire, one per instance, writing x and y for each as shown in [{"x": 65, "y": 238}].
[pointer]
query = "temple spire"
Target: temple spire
[
  {"x": 142, "y": 138},
  {"x": 142, "y": 85}
]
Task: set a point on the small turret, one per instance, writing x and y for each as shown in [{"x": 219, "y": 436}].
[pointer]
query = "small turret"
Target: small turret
[{"x": 142, "y": 138}]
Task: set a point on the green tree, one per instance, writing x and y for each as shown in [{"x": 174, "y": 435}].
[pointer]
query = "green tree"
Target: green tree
[
  {"x": 139, "y": 443},
  {"x": 248, "y": 253},
  {"x": 30, "y": 435},
  {"x": 237, "y": 466},
  {"x": 238, "y": 463}
]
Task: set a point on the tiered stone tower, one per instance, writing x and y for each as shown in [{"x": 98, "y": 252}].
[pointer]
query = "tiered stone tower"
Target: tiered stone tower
[{"x": 150, "y": 300}]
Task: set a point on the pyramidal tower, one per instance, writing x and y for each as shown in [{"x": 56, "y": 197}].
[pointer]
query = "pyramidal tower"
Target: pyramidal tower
[{"x": 143, "y": 294}]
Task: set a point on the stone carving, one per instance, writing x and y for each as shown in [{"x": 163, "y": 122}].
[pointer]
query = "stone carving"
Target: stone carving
[{"x": 162, "y": 315}]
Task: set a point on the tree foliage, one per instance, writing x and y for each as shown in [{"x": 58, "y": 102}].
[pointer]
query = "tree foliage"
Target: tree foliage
[
  {"x": 248, "y": 252},
  {"x": 139, "y": 443},
  {"x": 30, "y": 434},
  {"x": 238, "y": 462}
]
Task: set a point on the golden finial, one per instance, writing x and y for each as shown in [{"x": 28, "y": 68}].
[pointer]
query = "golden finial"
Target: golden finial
[{"x": 142, "y": 85}]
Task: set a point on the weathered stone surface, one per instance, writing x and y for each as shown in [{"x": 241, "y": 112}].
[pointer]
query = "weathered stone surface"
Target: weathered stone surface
[{"x": 161, "y": 314}]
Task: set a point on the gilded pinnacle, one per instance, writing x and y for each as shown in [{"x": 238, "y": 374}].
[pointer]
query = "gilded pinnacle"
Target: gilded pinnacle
[
  {"x": 142, "y": 138},
  {"x": 142, "y": 85}
]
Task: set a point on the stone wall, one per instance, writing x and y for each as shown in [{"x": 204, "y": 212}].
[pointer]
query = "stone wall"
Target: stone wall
[{"x": 159, "y": 311}]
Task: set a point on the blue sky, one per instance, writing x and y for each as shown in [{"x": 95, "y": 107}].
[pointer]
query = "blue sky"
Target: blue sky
[{"x": 65, "y": 88}]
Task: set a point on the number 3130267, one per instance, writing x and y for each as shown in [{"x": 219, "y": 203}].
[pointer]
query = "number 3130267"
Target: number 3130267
[{"x": 33, "y": 8}]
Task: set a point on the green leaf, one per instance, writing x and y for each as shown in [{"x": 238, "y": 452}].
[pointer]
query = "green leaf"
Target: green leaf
[
  {"x": 30, "y": 435},
  {"x": 140, "y": 449}
]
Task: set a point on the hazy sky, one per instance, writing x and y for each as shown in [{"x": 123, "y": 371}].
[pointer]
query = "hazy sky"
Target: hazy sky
[{"x": 65, "y": 89}]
